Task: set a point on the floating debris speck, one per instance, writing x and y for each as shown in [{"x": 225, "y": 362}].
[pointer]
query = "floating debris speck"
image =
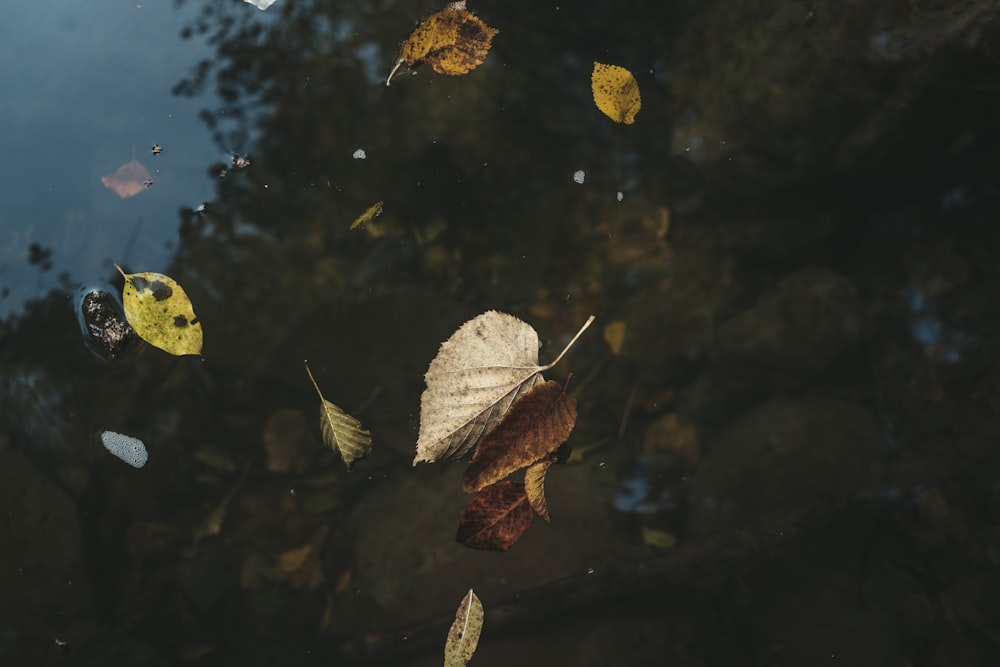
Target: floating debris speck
[
  {"x": 620, "y": 196},
  {"x": 579, "y": 176},
  {"x": 360, "y": 154},
  {"x": 130, "y": 450}
]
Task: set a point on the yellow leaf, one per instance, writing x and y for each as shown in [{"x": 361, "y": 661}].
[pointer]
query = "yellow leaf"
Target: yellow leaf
[
  {"x": 534, "y": 487},
  {"x": 161, "y": 313},
  {"x": 452, "y": 41},
  {"x": 293, "y": 559},
  {"x": 660, "y": 539},
  {"x": 616, "y": 92},
  {"x": 372, "y": 212},
  {"x": 463, "y": 637},
  {"x": 341, "y": 431},
  {"x": 614, "y": 336}
]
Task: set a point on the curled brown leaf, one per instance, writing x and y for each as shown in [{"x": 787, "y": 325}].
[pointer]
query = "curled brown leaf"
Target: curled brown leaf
[{"x": 534, "y": 487}]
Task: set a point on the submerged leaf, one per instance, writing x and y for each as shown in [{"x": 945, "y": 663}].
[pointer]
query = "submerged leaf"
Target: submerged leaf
[
  {"x": 129, "y": 180},
  {"x": 534, "y": 487},
  {"x": 160, "y": 312},
  {"x": 341, "y": 431},
  {"x": 372, "y": 212},
  {"x": 616, "y": 92},
  {"x": 535, "y": 426},
  {"x": 452, "y": 41},
  {"x": 496, "y": 518},
  {"x": 463, "y": 637},
  {"x": 478, "y": 373}
]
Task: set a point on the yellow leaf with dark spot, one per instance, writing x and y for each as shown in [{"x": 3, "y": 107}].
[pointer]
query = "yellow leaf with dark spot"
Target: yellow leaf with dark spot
[
  {"x": 452, "y": 41},
  {"x": 616, "y": 92},
  {"x": 372, "y": 212},
  {"x": 161, "y": 313}
]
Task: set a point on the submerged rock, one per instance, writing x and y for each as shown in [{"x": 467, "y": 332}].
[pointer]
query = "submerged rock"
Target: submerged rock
[
  {"x": 813, "y": 315},
  {"x": 107, "y": 333},
  {"x": 783, "y": 459}
]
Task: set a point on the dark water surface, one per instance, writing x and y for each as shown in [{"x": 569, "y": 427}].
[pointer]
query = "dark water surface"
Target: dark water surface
[{"x": 789, "y": 406}]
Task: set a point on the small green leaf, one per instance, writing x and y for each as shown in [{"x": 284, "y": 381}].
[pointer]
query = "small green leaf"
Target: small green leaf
[{"x": 341, "y": 431}]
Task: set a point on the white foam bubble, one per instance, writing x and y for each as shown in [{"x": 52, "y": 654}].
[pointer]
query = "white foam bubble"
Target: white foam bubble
[
  {"x": 579, "y": 176},
  {"x": 360, "y": 154},
  {"x": 130, "y": 450}
]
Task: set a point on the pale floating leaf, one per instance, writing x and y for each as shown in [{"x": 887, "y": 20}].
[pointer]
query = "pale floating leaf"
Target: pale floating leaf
[
  {"x": 341, "y": 431},
  {"x": 463, "y": 637},
  {"x": 616, "y": 92},
  {"x": 160, "y": 312},
  {"x": 534, "y": 487},
  {"x": 478, "y": 373}
]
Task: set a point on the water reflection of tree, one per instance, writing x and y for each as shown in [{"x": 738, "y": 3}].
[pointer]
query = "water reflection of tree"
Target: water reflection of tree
[{"x": 481, "y": 212}]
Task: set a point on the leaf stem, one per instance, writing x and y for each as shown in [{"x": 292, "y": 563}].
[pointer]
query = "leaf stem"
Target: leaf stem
[
  {"x": 579, "y": 333},
  {"x": 306, "y": 362}
]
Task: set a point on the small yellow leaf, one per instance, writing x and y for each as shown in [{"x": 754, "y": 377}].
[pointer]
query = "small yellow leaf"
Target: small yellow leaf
[
  {"x": 341, "y": 431},
  {"x": 452, "y": 41},
  {"x": 161, "y": 313},
  {"x": 372, "y": 212},
  {"x": 534, "y": 487},
  {"x": 463, "y": 637},
  {"x": 616, "y": 92},
  {"x": 293, "y": 559},
  {"x": 614, "y": 336},
  {"x": 660, "y": 539}
]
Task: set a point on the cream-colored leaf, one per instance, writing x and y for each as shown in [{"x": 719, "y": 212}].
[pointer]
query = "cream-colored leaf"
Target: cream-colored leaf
[
  {"x": 478, "y": 373},
  {"x": 534, "y": 487},
  {"x": 341, "y": 431},
  {"x": 463, "y": 637}
]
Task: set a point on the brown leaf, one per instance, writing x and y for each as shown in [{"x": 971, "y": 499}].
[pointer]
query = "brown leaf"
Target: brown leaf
[
  {"x": 130, "y": 179},
  {"x": 289, "y": 442},
  {"x": 452, "y": 41},
  {"x": 533, "y": 428},
  {"x": 496, "y": 518},
  {"x": 534, "y": 487}
]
